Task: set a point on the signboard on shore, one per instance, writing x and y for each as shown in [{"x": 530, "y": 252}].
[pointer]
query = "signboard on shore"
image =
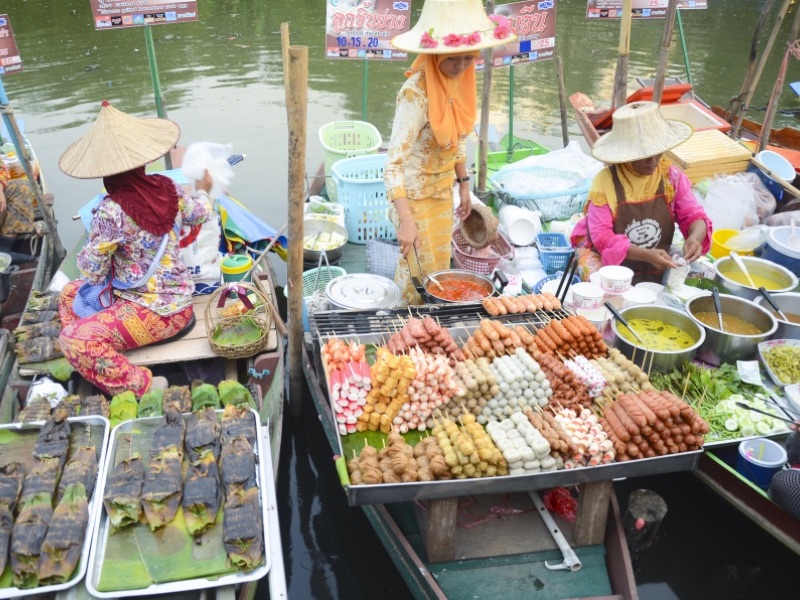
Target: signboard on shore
[
  {"x": 10, "y": 61},
  {"x": 640, "y": 9},
  {"x": 534, "y": 22},
  {"x": 117, "y": 14},
  {"x": 364, "y": 29}
]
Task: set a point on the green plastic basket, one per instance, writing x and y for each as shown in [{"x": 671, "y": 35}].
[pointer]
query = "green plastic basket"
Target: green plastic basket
[{"x": 326, "y": 274}]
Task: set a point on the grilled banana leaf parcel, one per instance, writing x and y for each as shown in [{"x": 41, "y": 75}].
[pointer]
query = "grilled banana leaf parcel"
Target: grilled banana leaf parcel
[
  {"x": 53, "y": 441},
  {"x": 238, "y": 420},
  {"x": 179, "y": 394},
  {"x": 29, "y": 532},
  {"x": 71, "y": 404},
  {"x": 42, "y": 478},
  {"x": 6, "y": 525},
  {"x": 202, "y": 435},
  {"x": 233, "y": 392},
  {"x": 151, "y": 404},
  {"x": 201, "y": 495},
  {"x": 63, "y": 543},
  {"x": 242, "y": 530},
  {"x": 39, "y": 316},
  {"x": 38, "y": 349},
  {"x": 204, "y": 395},
  {"x": 34, "y": 330},
  {"x": 171, "y": 432},
  {"x": 43, "y": 301},
  {"x": 38, "y": 409},
  {"x": 95, "y": 406},
  {"x": 123, "y": 407},
  {"x": 238, "y": 464},
  {"x": 11, "y": 477},
  {"x": 161, "y": 492},
  {"x": 123, "y": 495},
  {"x": 81, "y": 468}
]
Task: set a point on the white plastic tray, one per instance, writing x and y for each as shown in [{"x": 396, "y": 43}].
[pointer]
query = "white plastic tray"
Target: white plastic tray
[
  {"x": 95, "y": 502},
  {"x": 102, "y": 530}
]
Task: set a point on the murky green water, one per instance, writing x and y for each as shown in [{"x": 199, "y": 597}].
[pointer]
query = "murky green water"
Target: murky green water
[{"x": 222, "y": 80}]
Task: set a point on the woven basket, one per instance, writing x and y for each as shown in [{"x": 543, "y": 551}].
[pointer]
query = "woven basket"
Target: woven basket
[
  {"x": 479, "y": 264},
  {"x": 216, "y": 321}
]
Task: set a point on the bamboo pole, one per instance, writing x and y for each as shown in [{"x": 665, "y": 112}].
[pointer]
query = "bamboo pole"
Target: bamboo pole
[
  {"x": 621, "y": 74},
  {"x": 663, "y": 56},
  {"x": 483, "y": 135},
  {"x": 744, "y": 102},
  {"x": 285, "y": 58},
  {"x": 297, "y": 111},
  {"x": 562, "y": 100}
]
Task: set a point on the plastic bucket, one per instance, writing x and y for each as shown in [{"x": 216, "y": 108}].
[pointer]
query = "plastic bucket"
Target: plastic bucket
[
  {"x": 759, "y": 459},
  {"x": 718, "y": 247},
  {"x": 234, "y": 267},
  {"x": 521, "y": 224}
]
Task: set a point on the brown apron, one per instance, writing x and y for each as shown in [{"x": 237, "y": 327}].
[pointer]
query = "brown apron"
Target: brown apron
[{"x": 647, "y": 224}]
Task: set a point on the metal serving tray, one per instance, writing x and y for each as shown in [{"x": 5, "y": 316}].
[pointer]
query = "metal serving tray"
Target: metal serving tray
[
  {"x": 95, "y": 503},
  {"x": 103, "y": 529}
]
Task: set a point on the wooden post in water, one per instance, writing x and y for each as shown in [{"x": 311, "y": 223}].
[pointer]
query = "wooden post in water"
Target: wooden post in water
[
  {"x": 483, "y": 135},
  {"x": 296, "y": 109},
  {"x": 663, "y": 56},
  {"x": 646, "y": 511},
  {"x": 285, "y": 57},
  {"x": 621, "y": 74},
  {"x": 562, "y": 100}
]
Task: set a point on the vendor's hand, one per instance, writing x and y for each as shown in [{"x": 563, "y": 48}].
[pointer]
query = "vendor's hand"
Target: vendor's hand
[
  {"x": 465, "y": 207},
  {"x": 660, "y": 259},
  {"x": 205, "y": 183},
  {"x": 407, "y": 235},
  {"x": 2, "y": 199},
  {"x": 692, "y": 250}
]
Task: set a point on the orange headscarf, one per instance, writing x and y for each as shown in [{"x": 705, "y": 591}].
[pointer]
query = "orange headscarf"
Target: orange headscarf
[{"x": 448, "y": 119}]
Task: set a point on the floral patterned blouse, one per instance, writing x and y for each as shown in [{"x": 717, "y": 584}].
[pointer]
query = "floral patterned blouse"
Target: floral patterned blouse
[
  {"x": 417, "y": 167},
  {"x": 115, "y": 238}
]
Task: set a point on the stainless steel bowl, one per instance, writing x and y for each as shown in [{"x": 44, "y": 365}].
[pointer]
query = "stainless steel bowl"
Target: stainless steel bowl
[
  {"x": 313, "y": 226},
  {"x": 788, "y": 302},
  {"x": 754, "y": 265},
  {"x": 662, "y": 360},
  {"x": 721, "y": 347},
  {"x": 453, "y": 274}
]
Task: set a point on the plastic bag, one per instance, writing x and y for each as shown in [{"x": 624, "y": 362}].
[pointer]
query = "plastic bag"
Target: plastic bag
[
  {"x": 214, "y": 157},
  {"x": 570, "y": 158},
  {"x": 561, "y": 502},
  {"x": 730, "y": 202},
  {"x": 748, "y": 239},
  {"x": 784, "y": 218},
  {"x": 764, "y": 200},
  {"x": 202, "y": 256}
]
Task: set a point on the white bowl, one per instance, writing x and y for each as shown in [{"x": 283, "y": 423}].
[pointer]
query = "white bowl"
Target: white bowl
[
  {"x": 637, "y": 296},
  {"x": 777, "y": 164},
  {"x": 587, "y": 295},
  {"x": 656, "y": 288},
  {"x": 615, "y": 279}
]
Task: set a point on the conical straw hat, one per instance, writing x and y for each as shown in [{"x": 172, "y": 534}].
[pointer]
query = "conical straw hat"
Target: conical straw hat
[
  {"x": 639, "y": 131},
  {"x": 118, "y": 142},
  {"x": 454, "y": 27}
]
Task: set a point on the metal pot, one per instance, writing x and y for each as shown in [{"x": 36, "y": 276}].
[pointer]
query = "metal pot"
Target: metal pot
[
  {"x": 721, "y": 347},
  {"x": 427, "y": 289},
  {"x": 659, "y": 360},
  {"x": 362, "y": 291},
  {"x": 788, "y": 302},
  {"x": 754, "y": 265},
  {"x": 312, "y": 227}
]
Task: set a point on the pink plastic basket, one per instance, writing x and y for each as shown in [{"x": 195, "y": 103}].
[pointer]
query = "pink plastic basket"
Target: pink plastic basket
[{"x": 463, "y": 258}]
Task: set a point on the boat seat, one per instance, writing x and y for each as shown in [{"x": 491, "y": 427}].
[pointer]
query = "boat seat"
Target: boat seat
[{"x": 186, "y": 329}]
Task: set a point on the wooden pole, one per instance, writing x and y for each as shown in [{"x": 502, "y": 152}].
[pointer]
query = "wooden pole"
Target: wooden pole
[
  {"x": 483, "y": 135},
  {"x": 285, "y": 58},
  {"x": 621, "y": 74},
  {"x": 297, "y": 111},
  {"x": 562, "y": 100},
  {"x": 744, "y": 99},
  {"x": 663, "y": 56}
]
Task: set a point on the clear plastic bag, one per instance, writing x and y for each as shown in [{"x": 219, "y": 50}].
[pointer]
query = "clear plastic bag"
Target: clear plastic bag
[
  {"x": 763, "y": 199},
  {"x": 784, "y": 218},
  {"x": 748, "y": 239},
  {"x": 214, "y": 157}
]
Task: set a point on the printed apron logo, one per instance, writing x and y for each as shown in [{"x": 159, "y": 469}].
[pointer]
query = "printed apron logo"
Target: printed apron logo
[{"x": 645, "y": 234}]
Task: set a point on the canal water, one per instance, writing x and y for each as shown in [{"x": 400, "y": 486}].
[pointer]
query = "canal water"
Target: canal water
[{"x": 221, "y": 79}]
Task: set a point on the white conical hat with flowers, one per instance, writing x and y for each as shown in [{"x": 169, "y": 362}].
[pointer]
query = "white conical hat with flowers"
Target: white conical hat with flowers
[{"x": 454, "y": 27}]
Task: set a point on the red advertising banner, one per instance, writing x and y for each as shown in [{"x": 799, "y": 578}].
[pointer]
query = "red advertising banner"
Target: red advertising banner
[
  {"x": 640, "y": 9},
  {"x": 115, "y": 14},
  {"x": 534, "y": 22},
  {"x": 10, "y": 61},
  {"x": 364, "y": 29}
]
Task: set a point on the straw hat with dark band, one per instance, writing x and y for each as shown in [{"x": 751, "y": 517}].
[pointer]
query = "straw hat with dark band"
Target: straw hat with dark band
[
  {"x": 118, "y": 142},
  {"x": 639, "y": 131},
  {"x": 454, "y": 27}
]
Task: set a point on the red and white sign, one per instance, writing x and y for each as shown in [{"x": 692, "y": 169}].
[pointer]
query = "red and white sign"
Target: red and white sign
[
  {"x": 10, "y": 61},
  {"x": 640, "y": 9},
  {"x": 364, "y": 28},
  {"x": 116, "y": 14}
]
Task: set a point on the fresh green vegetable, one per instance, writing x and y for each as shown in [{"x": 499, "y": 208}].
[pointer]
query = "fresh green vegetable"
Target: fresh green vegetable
[{"x": 784, "y": 362}]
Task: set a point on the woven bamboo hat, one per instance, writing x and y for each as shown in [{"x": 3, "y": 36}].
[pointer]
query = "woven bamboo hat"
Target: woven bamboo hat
[
  {"x": 639, "y": 131},
  {"x": 118, "y": 142},
  {"x": 480, "y": 227},
  {"x": 454, "y": 27}
]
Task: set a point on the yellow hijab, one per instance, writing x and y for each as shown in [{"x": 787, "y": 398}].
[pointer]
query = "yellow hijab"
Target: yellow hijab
[
  {"x": 637, "y": 188},
  {"x": 448, "y": 119}
]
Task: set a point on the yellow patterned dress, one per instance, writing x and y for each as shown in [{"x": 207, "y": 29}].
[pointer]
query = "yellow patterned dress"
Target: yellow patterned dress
[{"x": 419, "y": 169}]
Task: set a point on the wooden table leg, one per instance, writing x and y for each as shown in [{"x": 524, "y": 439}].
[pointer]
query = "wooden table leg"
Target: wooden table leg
[
  {"x": 593, "y": 504},
  {"x": 439, "y": 529}
]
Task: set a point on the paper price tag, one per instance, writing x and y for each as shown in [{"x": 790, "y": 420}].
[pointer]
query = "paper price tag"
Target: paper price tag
[{"x": 749, "y": 372}]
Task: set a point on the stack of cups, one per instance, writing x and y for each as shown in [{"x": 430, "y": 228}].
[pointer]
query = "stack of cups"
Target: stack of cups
[{"x": 521, "y": 225}]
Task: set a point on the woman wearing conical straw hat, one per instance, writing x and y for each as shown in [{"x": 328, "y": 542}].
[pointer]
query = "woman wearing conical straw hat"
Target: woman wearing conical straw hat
[
  {"x": 132, "y": 252},
  {"x": 436, "y": 109},
  {"x": 636, "y": 201}
]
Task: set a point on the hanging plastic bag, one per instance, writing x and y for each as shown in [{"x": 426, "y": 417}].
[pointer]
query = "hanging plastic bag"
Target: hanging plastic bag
[
  {"x": 765, "y": 202},
  {"x": 730, "y": 202},
  {"x": 202, "y": 156},
  {"x": 784, "y": 218},
  {"x": 561, "y": 502}
]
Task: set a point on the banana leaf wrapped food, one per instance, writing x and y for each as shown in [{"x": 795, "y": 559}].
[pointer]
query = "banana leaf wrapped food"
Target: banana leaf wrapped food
[
  {"x": 38, "y": 350},
  {"x": 202, "y": 495},
  {"x": 29, "y": 531},
  {"x": 163, "y": 485},
  {"x": 95, "y": 406},
  {"x": 123, "y": 407},
  {"x": 202, "y": 435},
  {"x": 242, "y": 529},
  {"x": 37, "y": 409},
  {"x": 49, "y": 329},
  {"x": 204, "y": 395},
  {"x": 6, "y": 526},
  {"x": 233, "y": 392},
  {"x": 179, "y": 394},
  {"x": 62, "y": 545},
  {"x": 237, "y": 421},
  {"x": 150, "y": 405},
  {"x": 71, "y": 404},
  {"x": 53, "y": 440},
  {"x": 80, "y": 469},
  {"x": 39, "y": 316},
  {"x": 43, "y": 301},
  {"x": 123, "y": 496},
  {"x": 11, "y": 478},
  {"x": 238, "y": 465},
  {"x": 42, "y": 478},
  {"x": 171, "y": 432}
]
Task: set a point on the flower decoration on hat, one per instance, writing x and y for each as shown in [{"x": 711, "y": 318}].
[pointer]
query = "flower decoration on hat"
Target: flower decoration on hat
[{"x": 500, "y": 31}]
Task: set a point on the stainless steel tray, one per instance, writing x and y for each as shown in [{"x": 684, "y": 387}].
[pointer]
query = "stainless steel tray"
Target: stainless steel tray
[
  {"x": 120, "y": 444},
  {"x": 96, "y": 501}
]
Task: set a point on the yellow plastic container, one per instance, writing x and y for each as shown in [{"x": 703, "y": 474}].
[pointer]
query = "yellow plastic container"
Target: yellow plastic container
[
  {"x": 234, "y": 267},
  {"x": 718, "y": 247}
]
